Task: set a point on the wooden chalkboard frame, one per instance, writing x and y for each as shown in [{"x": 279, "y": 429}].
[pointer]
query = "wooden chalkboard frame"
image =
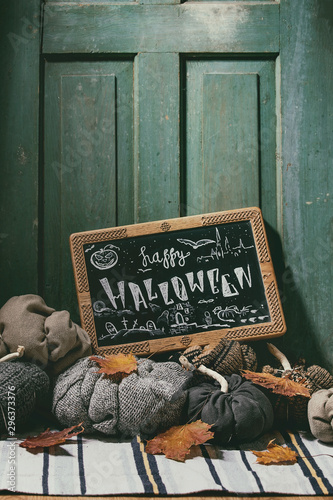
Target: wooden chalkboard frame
[{"x": 274, "y": 327}]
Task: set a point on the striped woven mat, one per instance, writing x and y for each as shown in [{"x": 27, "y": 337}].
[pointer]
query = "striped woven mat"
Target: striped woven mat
[{"x": 104, "y": 466}]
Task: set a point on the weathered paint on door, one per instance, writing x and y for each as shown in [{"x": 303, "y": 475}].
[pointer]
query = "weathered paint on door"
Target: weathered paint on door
[
  {"x": 158, "y": 109},
  {"x": 185, "y": 133}
]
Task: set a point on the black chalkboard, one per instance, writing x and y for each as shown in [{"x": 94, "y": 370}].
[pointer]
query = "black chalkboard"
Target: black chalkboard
[{"x": 167, "y": 284}]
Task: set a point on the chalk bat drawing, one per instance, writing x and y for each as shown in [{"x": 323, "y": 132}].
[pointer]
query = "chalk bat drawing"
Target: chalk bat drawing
[
  {"x": 195, "y": 244},
  {"x": 105, "y": 258},
  {"x": 90, "y": 248},
  {"x": 144, "y": 270},
  {"x": 203, "y": 301}
]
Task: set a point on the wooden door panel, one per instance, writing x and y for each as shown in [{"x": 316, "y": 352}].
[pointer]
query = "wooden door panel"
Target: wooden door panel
[
  {"x": 156, "y": 132},
  {"x": 230, "y": 135},
  {"x": 88, "y": 107},
  {"x": 191, "y": 27}
]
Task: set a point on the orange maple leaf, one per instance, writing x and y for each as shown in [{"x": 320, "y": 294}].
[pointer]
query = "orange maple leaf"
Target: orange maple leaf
[
  {"x": 176, "y": 442},
  {"x": 51, "y": 438},
  {"x": 276, "y": 455},
  {"x": 116, "y": 366},
  {"x": 278, "y": 385}
]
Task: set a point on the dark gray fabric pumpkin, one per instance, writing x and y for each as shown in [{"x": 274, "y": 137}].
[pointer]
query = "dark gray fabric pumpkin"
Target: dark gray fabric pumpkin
[{"x": 241, "y": 414}]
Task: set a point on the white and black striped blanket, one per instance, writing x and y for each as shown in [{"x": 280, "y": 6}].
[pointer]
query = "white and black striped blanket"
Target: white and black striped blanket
[{"x": 89, "y": 466}]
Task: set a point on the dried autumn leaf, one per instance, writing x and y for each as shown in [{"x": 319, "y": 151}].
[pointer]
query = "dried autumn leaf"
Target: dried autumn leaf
[
  {"x": 116, "y": 366},
  {"x": 278, "y": 385},
  {"x": 276, "y": 455},
  {"x": 176, "y": 442},
  {"x": 51, "y": 438}
]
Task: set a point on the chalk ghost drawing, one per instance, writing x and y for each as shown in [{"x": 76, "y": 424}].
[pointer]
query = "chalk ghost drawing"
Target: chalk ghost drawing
[{"x": 105, "y": 258}]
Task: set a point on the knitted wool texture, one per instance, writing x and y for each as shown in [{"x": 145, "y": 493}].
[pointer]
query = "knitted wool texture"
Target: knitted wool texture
[
  {"x": 50, "y": 338},
  {"x": 228, "y": 357},
  {"x": 294, "y": 411},
  {"x": 143, "y": 403},
  {"x": 320, "y": 413},
  {"x": 22, "y": 383}
]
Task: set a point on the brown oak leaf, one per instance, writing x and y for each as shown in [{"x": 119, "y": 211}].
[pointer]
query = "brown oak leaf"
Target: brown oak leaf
[
  {"x": 176, "y": 442},
  {"x": 51, "y": 438},
  {"x": 278, "y": 385},
  {"x": 276, "y": 455},
  {"x": 116, "y": 366}
]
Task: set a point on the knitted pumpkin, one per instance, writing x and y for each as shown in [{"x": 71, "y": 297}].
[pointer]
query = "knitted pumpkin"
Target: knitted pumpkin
[
  {"x": 294, "y": 411},
  {"x": 22, "y": 386},
  {"x": 241, "y": 414},
  {"x": 227, "y": 357},
  {"x": 143, "y": 403}
]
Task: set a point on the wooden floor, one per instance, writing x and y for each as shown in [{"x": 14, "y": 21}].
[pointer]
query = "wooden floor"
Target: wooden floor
[{"x": 213, "y": 496}]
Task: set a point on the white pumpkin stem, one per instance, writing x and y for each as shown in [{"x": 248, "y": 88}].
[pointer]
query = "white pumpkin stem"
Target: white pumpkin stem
[
  {"x": 279, "y": 356},
  {"x": 206, "y": 371},
  {"x": 13, "y": 355}
]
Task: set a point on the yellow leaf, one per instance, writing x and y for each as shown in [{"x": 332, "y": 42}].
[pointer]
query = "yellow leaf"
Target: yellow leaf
[
  {"x": 116, "y": 366},
  {"x": 278, "y": 385},
  {"x": 276, "y": 455},
  {"x": 176, "y": 442}
]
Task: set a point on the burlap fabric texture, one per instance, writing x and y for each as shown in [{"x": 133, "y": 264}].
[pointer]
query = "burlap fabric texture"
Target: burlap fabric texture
[
  {"x": 320, "y": 414},
  {"x": 144, "y": 403},
  {"x": 50, "y": 338},
  {"x": 22, "y": 384}
]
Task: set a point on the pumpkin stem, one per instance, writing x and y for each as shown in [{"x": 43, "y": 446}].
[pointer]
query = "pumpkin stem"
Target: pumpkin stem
[
  {"x": 279, "y": 356},
  {"x": 206, "y": 371},
  {"x": 13, "y": 355}
]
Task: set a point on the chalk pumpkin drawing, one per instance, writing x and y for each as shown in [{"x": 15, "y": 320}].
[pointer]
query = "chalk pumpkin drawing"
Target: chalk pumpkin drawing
[{"x": 105, "y": 258}]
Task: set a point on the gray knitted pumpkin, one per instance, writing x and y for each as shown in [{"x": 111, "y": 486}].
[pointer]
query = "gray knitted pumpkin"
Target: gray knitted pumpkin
[
  {"x": 22, "y": 384},
  {"x": 145, "y": 402}
]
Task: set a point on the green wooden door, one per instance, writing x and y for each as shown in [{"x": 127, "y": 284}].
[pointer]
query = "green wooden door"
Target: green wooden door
[
  {"x": 119, "y": 112},
  {"x": 155, "y": 111}
]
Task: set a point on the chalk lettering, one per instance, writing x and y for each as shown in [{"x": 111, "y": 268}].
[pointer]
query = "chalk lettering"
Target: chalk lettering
[
  {"x": 179, "y": 288},
  {"x": 137, "y": 296},
  {"x": 164, "y": 287},
  {"x": 148, "y": 286},
  {"x": 121, "y": 287},
  {"x": 240, "y": 274},
  {"x": 208, "y": 282},
  {"x": 228, "y": 289},
  {"x": 170, "y": 258},
  {"x": 193, "y": 286},
  {"x": 212, "y": 280}
]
